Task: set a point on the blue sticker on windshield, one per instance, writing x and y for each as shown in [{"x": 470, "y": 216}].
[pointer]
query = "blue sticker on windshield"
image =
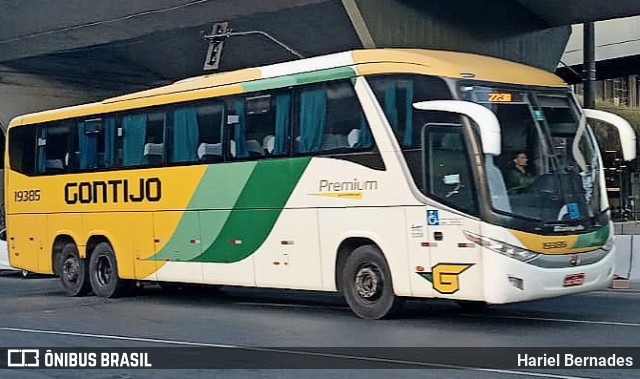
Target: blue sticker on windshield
[
  {"x": 574, "y": 211},
  {"x": 539, "y": 115}
]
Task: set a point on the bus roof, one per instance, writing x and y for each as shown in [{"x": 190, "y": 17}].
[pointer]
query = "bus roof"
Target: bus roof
[{"x": 347, "y": 64}]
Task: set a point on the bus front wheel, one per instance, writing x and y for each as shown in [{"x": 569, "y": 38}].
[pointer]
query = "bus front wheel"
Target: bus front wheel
[
  {"x": 367, "y": 285},
  {"x": 103, "y": 273},
  {"x": 73, "y": 271}
]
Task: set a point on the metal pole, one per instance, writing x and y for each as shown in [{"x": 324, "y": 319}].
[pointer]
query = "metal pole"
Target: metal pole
[{"x": 589, "y": 63}]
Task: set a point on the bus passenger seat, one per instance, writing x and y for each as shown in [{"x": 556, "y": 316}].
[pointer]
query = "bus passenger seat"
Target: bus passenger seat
[
  {"x": 154, "y": 152},
  {"x": 72, "y": 160},
  {"x": 54, "y": 165},
  {"x": 268, "y": 143},
  {"x": 334, "y": 141},
  {"x": 341, "y": 141},
  {"x": 353, "y": 137},
  {"x": 210, "y": 152},
  {"x": 328, "y": 142},
  {"x": 254, "y": 148}
]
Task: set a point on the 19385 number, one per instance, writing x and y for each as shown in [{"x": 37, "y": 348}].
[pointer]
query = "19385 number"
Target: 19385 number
[{"x": 28, "y": 195}]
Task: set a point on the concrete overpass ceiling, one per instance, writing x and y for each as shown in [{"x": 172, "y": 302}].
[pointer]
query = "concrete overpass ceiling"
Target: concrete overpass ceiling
[
  {"x": 510, "y": 16},
  {"x": 568, "y": 12},
  {"x": 28, "y": 28},
  {"x": 121, "y": 45},
  {"x": 166, "y": 54}
]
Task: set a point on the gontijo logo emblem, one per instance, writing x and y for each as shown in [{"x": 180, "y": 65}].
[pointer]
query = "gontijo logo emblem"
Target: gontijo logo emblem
[{"x": 445, "y": 276}]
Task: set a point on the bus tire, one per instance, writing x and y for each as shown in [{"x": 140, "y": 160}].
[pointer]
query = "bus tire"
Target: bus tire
[
  {"x": 57, "y": 263},
  {"x": 367, "y": 284},
  {"x": 73, "y": 271},
  {"x": 103, "y": 273}
]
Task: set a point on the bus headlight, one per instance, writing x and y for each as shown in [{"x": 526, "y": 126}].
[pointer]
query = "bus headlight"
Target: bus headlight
[{"x": 503, "y": 248}]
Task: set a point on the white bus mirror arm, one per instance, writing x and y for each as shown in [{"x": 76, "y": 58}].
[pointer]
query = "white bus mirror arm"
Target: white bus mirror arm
[
  {"x": 627, "y": 134},
  {"x": 485, "y": 119}
]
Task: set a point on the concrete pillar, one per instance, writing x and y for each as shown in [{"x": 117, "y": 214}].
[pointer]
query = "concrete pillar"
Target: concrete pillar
[
  {"x": 589, "y": 65},
  {"x": 633, "y": 91}
]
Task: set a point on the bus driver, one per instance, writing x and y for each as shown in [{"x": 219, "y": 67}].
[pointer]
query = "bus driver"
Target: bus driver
[{"x": 517, "y": 177}]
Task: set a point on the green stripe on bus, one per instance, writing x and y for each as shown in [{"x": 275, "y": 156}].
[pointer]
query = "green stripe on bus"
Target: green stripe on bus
[
  {"x": 180, "y": 248},
  {"x": 236, "y": 206},
  {"x": 298, "y": 79},
  {"x": 221, "y": 185},
  {"x": 595, "y": 239},
  {"x": 219, "y": 189},
  {"x": 325, "y": 75},
  {"x": 256, "y": 211}
]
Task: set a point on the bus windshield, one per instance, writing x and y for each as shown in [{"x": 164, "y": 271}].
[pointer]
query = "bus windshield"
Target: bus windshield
[{"x": 549, "y": 167}]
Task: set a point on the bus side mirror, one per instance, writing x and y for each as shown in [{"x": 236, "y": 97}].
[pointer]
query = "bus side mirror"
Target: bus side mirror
[
  {"x": 627, "y": 134},
  {"x": 483, "y": 117}
]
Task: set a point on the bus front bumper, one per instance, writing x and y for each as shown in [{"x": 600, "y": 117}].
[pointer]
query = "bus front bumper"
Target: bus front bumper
[{"x": 510, "y": 280}]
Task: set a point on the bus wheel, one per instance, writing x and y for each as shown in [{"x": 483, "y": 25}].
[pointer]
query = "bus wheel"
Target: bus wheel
[
  {"x": 367, "y": 285},
  {"x": 103, "y": 270},
  {"x": 73, "y": 271}
]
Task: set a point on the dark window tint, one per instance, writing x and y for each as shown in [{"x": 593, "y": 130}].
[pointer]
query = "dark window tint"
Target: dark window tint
[
  {"x": 142, "y": 139},
  {"x": 22, "y": 149},
  {"x": 329, "y": 120},
  {"x": 259, "y": 125},
  {"x": 53, "y": 147},
  {"x": 448, "y": 176},
  {"x": 93, "y": 145},
  {"x": 396, "y": 95},
  {"x": 196, "y": 133}
]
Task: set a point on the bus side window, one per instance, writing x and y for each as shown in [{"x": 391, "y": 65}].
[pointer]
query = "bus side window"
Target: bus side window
[
  {"x": 329, "y": 120},
  {"x": 259, "y": 126},
  {"x": 185, "y": 134},
  {"x": 448, "y": 169},
  {"x": 134, "y": 129},
  {"x": 94, "y": 146},
  {"x": 196, "y": 133},
  {"x": 396, "y": 95},
  {"x": 22, "y": 149},
  {"x": 210, "y": 119},
  {"x": 53, "y": 145},
  {"x": 143, "y": 139}
]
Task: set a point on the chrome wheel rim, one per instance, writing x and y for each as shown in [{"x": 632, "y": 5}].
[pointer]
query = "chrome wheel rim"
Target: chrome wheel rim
[
  {"x": 369, "y": 282},
  {"x": 70, "y": 269},
  {"x": 104, "y": 271}
]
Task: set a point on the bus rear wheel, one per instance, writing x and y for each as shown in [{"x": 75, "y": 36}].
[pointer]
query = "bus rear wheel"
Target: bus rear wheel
[
  {"x": 367, "y": 286},
  {"x": 73, "y": 271},
  {"x": 103, "y": 273}
]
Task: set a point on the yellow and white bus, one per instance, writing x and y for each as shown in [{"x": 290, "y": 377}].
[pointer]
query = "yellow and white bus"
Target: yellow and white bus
[{"x": 377, "y": 173}]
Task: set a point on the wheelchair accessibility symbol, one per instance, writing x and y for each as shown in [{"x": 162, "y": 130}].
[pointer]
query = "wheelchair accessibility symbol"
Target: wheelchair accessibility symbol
[{"x": 433, "y": 218}]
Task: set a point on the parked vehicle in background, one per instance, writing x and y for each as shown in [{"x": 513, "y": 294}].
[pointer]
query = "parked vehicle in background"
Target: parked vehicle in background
[{"x": 4, "y": 255}]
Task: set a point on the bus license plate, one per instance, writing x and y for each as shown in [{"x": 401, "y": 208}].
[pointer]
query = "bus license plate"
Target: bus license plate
[{"x": 573, "y": 280}]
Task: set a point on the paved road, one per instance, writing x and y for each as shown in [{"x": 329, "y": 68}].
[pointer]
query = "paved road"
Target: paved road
[{"x": 35, "y": 313}]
